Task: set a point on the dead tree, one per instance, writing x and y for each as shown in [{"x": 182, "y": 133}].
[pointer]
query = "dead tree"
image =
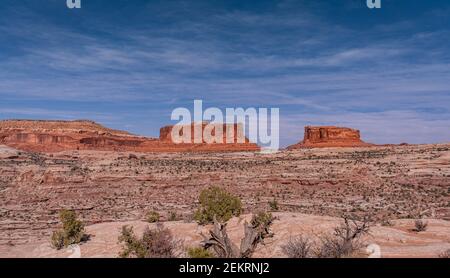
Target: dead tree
[
  {"x": 351, "y": 229},
  {"x": 220, "y": 242},
  {"x": 345, "y": 240},
  {"x": 254, "y": 233}
]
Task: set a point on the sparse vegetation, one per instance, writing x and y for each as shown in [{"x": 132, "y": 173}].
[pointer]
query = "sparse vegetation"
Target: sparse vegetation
[
  {"x": 133, "y": 247},
  {"x": 315, "y": 182},
  {"x": 298, "y": 248},
  {"x": 420, "y": 225},
  {"x": 345, "y": 240},
  {"x": 57, "y": 239},
  {"x": 152, "y": 217},
  {"x": 262, "y": 219},
  {"x": 173, "y": 216},
  {"x": 274, "y": 205},
  {"x": 156, "y": 243},
  {"x": 255, "y": 232},
  {"x": 199, "y": 253},
  {"x": 216, "y": 202},
  {"x": 72, "y": 231}
]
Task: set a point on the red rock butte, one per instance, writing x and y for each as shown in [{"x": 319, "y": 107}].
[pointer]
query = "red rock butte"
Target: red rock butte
[
  {"x": 236, "y": 130},
  {"x": 56, "y": 136},
  {"x": 330, "y": 136}
]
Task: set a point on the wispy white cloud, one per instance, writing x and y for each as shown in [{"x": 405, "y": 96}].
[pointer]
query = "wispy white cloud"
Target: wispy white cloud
[{"x": 308, "y": 66}]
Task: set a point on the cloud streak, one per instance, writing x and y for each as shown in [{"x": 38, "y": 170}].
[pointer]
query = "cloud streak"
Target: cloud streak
[{"x": 316, "y": 69}]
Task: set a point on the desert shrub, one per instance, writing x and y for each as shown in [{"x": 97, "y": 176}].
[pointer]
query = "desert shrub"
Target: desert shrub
[
  {"x": 345, "y": 240},
  {"x": 156, "y": 243},
  {"x": 173, "y": 216},
  {"x": 199, "y": 253},
  {"x": 298, "y": 247},
  {"x": 217, "y": 202},
  {"x": 72, "y": 231},
  {"x": 72, "y": 227},
  {"x": 262, "y": 219},
  {"x": 332, "y": 247},
  {"x": 57, "y": 239},
  {"x": 274, "y": 205},
  {"x": 133, "y": 247},
  {"x": 420, "y": 225},
  {"x": 152, "y": 217}
]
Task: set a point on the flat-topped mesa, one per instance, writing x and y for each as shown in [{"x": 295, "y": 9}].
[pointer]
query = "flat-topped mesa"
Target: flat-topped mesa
[
  {"x": 202, "y": 130},
  {"x": 232, "y": 139},
  {"x": 330, "y": 136},
  {"x": 77, "y": 126},
  {"x": 56, "y": 136}
]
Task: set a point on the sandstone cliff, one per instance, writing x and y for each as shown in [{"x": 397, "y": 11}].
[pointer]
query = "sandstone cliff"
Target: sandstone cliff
[
  {"x": 238, "y": 141},
  {"x": 330, "y": 136},
  {"x": 56, "y": 136}
]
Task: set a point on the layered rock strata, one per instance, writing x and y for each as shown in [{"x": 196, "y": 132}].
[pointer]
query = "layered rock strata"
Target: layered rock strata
[
  {"x": 330, "y": 136},
  {"x": 56, "y": 136}
]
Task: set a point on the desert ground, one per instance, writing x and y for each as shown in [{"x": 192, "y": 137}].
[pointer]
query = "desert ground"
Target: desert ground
[
  {"x": 397, "y": 240},
  {"x": 313, "y": 188}
]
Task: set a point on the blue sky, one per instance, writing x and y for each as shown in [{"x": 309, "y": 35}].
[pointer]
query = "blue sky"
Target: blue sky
[{"x": 128, "y": 64}]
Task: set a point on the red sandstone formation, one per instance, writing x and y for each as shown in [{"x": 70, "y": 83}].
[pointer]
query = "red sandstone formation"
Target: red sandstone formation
[
  {"x": 235, "y": 132},
  {"x": 330, "y": 136},
  {"x": 238, "y": 141},
  {"x": 55, "y": 136}
]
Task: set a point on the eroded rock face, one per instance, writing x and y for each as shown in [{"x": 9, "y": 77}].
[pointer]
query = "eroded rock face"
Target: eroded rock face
[
  {"x": 205, "y": 134},
  {"x": 233, "y": 133},
  {"x": 330, "y": 136},
  {"x": 56, "y": 136}
]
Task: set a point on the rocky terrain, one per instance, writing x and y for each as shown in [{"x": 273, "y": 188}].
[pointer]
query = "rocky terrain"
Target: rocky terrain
[
  {"x": 56, "y": 136},
  {"x": 330, "y": 136},
  {"x": 385, "y": 182},
  {"x": 396, "y": 240}
]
